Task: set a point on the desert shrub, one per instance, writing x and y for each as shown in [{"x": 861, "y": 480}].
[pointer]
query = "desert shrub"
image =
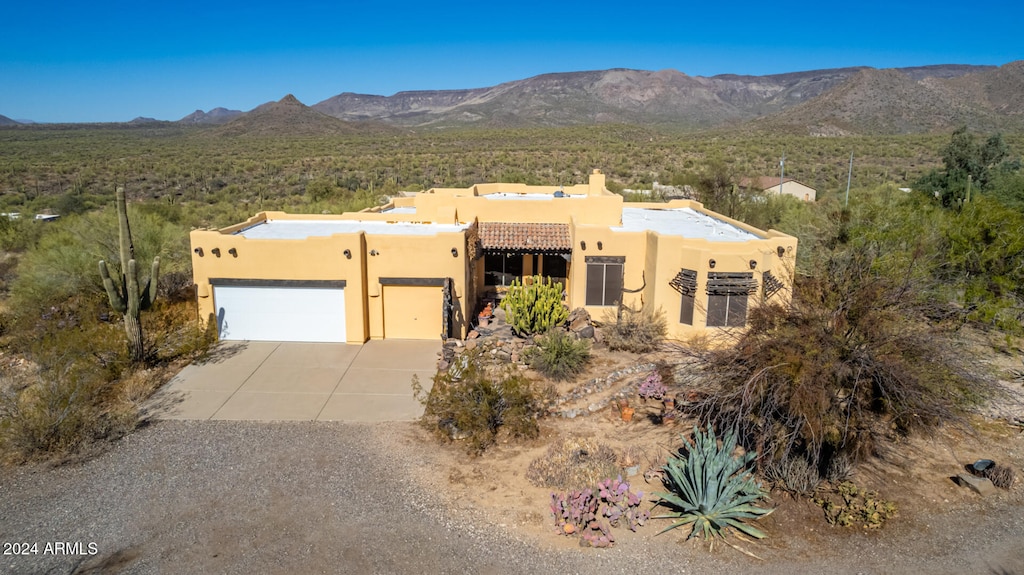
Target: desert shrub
[
  {"x": 593, "y": 512},
  {"x": 711, "y": 489},
  {"x": 73, "y": 337},
  {"x": 573, "y": 463},
  {"x": 984, "y": 259},
  {"x": 849, "y": 365},
  {"x": 1000, "y": 475},
  {"x": 20, "y": 234},
  {"x": 559, "y": 355},
  {"x": 636, "y": 331},
  {"x": 64, "y": 263},
  {"x": 176, "y": 286},
  {"x": 54, "y": 413},
  {"x": 534, "y": 307},
  {"x": 472, "y": 403},
  {"x": 851, "y": 506},
  {"x": 81, "y": 390},
  {"x": 173, "y": 332},
  {"x": 72, "y": 398},
  {"x": 839, "y": 469},
  {"x": 794, "y": 474}
]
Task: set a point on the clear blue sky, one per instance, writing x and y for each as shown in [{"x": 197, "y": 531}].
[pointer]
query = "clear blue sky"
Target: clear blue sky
[{"x": 75, "y": 61}]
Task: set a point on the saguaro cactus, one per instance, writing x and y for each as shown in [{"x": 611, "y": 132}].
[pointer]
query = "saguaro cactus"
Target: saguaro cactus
[{"x": 129, "y": 300}]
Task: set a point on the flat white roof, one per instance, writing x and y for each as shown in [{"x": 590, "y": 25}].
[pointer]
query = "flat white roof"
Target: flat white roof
[
  {"x": 302, "y": 229},
  {"x": 685, "y": 222},
  {"x": 534, "y": 197},
  {"x": 400, "y": 210}
]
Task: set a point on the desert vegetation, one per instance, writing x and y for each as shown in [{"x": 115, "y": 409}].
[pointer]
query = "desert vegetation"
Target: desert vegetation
[
  {"x": 474, "y": 402},
  {"x": 188, "y": 166},
  {"x": 869, "y": 352}
]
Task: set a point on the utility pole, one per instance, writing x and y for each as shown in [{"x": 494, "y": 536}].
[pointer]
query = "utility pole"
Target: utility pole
[
  {"x": 849, "y": 176},
  {"x": 782, "y": 171}
]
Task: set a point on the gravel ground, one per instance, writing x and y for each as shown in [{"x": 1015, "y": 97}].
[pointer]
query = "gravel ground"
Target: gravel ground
[{"x": 243, "y": 497}]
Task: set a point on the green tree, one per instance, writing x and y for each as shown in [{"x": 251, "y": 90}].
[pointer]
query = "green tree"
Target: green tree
[
  {"x": 1007, "y": 185},
  {"x": 717, "y": 190},
  {"x": 968, "y": 166},
  {"x": 321, "y": 189},
  {"x": 985, "y": 259}
]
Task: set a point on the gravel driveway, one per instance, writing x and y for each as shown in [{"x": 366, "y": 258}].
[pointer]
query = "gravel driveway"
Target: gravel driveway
[{"x": 244, "y": 497}]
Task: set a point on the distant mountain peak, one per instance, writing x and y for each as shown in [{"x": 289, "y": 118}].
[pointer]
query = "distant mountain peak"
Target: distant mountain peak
[
  {"x": 213, "y": 117},
  {"x": 852, "y": 100},
  {"x": 827, "y": 102},
  {"x": 290, "y": 116}
]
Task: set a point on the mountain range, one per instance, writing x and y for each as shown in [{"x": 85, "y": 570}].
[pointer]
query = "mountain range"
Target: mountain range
[{"x": 841, "y": 101}]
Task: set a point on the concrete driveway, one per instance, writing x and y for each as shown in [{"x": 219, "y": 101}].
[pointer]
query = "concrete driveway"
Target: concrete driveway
[{"x": 273, "y": 381}]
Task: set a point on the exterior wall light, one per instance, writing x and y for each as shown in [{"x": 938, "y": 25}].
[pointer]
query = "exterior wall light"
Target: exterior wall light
[
  {"x": 455, "y": 253},
  {"x": 711, "y": 264},
  {"x": 753, "y": 264},
  {"x": 348, "y": 254},
  {"x": 198, "y": 252},
  {"x": 233, "y": 252},
  {"x": 583, "y": 246},
  {"x": 600, "y": 246},
  {"x": 781, "y": 251},
  {"x": 374, "y": 252},
  {"x": 216, "y": 252}
]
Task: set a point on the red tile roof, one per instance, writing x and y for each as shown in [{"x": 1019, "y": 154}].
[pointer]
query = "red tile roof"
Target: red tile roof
[
  {"x": 525, "y": 237},
  {"x": 763, "y": 182}
]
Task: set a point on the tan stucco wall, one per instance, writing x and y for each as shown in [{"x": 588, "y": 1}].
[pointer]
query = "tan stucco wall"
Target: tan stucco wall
[
  {"x": 795, "y": 189},
  {"x": 588, "y": 203},
  {"x": 323, "y": 258},
  {"x": 310, "y": 259},
  {"x": 651, "y": 260},
  {"x": 415, "y": 257}
]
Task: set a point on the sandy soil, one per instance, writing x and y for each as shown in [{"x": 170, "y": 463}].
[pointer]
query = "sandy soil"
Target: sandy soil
[{"x": 941, "y": 526}]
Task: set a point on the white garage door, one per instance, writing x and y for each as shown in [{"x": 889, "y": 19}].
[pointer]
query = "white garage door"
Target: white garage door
[{"x": 275, "y": 313}]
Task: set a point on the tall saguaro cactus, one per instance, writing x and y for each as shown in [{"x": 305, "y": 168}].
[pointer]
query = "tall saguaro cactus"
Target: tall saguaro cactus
[{"x": 129, "y": 300}]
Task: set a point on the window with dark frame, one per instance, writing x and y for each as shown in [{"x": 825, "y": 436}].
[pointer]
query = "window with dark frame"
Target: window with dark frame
[
  {"x": 685, "y": 283},
  {"x": 727, "y": 298},
  {"x": 604, "y": 279},
  {"x": 501, "y": 268},
  {"x": 555, "y": 267}
]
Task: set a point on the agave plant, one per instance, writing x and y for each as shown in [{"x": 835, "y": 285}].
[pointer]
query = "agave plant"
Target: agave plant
[{"x": 711, "y": 489}]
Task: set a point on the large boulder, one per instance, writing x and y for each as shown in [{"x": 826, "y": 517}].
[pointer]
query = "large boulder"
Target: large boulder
[{"x": 579, "y": 323}]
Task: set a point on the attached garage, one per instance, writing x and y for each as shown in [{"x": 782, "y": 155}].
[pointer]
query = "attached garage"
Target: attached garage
[
  {"x": 280, "y": 310},
  {"x": 413, "y": 308}
]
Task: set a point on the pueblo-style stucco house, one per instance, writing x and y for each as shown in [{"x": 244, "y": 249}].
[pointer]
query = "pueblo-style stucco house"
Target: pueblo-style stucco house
[
  {"x": 420, "y": 267},
  {"x": 787, "y": 186}
]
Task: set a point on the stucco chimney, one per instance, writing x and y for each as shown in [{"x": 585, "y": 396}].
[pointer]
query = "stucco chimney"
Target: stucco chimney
[{"x": 597, "y": 187}]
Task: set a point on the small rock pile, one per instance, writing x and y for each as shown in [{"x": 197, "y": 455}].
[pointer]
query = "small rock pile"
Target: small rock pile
[{"x": 500, "y": 345}]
